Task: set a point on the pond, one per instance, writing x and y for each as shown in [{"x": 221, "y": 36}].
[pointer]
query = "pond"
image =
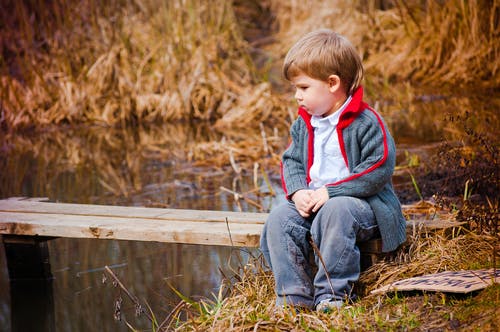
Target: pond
[
  {"x": 147, "y": 167},
  {"x": 100, "y": 166}
]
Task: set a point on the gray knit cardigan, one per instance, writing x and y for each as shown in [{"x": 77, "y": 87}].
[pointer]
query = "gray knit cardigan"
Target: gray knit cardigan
[{"x": 370, "y": 154}]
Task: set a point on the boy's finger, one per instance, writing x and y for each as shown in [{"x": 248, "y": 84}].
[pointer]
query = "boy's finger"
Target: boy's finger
[
  {"x": 317, "y": 206},
  {"x": 303, "y": 214}
]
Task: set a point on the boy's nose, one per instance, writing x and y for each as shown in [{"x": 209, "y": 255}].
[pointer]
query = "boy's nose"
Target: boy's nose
[{"x": 298, "y": 95}]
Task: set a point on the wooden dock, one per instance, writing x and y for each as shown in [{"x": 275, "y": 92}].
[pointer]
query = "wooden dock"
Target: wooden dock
[
  {"x": 34, "y": 217},
  {"x": 27, "y": 223}
]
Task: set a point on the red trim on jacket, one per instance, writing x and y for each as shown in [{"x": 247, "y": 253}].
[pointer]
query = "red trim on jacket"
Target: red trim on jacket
[
  {"x": 350, "y": 113},
  {"x": 310, "y": 144},
  {"x": 374, "y": 166},
  {"x": 353, "y": 109}
]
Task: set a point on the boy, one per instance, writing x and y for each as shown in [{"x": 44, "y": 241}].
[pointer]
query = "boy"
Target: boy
[{"x": 336, "y": 174}]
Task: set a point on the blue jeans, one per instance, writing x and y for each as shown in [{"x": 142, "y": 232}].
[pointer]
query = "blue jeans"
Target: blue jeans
[{"x": 302, "y": 280}]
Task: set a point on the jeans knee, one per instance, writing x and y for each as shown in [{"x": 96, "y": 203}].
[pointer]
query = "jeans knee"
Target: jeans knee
[
  {"x": 339, "y": 205},
  {"x": 344, "y": 215},
  {"x": 336, "y": 217},
  {"x": 285, "y": 224}
]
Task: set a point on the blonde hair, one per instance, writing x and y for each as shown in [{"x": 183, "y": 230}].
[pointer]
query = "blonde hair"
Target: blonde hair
[{"x": 322, "y": 53}]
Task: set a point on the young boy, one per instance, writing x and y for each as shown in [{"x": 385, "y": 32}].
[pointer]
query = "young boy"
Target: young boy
[{"x": 336, "y": 174}]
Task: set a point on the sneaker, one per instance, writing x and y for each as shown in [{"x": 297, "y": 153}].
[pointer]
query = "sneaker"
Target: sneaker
[{"x": 329, "y": 305}]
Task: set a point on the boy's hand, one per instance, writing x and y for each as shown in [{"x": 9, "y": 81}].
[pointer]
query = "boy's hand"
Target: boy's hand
[
  {"x": 303, "y": 202},
  {"x": 319, "y": 197}
]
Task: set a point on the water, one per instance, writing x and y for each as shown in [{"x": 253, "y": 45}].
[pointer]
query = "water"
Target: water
[
  {"x": 120, "y": 167},
  {"x": 83, "y": 303}
]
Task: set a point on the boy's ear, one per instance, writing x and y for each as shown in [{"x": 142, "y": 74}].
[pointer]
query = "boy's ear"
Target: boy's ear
[{"x": 334, "y": 82}]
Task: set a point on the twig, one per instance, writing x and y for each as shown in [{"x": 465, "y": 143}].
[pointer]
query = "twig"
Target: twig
[
  {"x": 318, "y": 253},
  {"x": 269, "y": 186},
  {"x": 236, "y": 169},
  {"x": 232, "y": 246},
  {"x": 264, "y": 138},
  {"x": 229, "y": 232},
  {"x": 237, "y": 196},
  {"x": 168, "y": 319},
  {"x": 131, "y": 296},
  {"x": 255, "y": 175}
]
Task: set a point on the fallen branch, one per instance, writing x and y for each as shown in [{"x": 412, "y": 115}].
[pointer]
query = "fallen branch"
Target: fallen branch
[
  {"x": 139, "y": 307},
  {"x": 238, "y": 196}
]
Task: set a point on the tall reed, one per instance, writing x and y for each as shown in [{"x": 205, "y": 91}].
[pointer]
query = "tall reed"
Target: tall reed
[
  {"x": 124, "y": 62},
  {"x": 454, "y": 43},
  {"x": 423, "y": 59}
]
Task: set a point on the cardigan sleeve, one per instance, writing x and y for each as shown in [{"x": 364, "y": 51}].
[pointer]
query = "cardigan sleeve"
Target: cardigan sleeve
[{"x": 293, "y": 163}]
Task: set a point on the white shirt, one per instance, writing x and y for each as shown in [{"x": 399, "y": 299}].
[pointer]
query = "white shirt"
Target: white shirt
[{"x": 328, "y": 164}]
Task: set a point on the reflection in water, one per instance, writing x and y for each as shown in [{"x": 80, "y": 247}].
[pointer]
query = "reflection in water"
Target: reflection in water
[
  {"x": 83, "y": 302},
  {"x": 150, "y": 167}
]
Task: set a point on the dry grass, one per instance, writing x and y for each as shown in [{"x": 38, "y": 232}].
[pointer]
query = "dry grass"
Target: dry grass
[
  {"x": 429, "y": 43},
  {"x": 433, "y": 253},
  {"x": 126, "y": 62},
  {"x": 246, "y": 300},
  {"x": 249, "y": 305}
]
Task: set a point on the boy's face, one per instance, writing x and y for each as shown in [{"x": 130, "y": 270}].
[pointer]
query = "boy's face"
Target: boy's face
[{"x": 315, "y": 96}]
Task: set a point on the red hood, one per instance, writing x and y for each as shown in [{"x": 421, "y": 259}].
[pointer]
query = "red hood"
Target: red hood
[
  {"x": 355, "y": 107},
  {"x": 351, "y": 112}
]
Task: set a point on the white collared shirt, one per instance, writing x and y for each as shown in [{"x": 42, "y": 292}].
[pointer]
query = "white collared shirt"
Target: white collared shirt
[{"x": 328, "y": 164}]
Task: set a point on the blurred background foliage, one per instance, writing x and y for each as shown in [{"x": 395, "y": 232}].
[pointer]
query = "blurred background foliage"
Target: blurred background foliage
[{"x": 124, "y": 62}]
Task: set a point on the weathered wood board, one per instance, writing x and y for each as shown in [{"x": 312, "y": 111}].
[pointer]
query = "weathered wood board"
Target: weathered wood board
[{"x": 31, "y": 217}]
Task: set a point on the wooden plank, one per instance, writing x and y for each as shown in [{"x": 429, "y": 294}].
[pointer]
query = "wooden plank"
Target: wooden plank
[
  {"x": 121, "y": 228},
  {"x": 9, "y": 205},
  {"x": 22, "y": 216},
  {"x": 373, "y": 246}
]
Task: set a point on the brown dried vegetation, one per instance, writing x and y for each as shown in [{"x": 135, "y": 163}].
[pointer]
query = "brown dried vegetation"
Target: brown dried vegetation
[
  {"x": 132, "y": 63},
  {"x": 126, "y": 62}
]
